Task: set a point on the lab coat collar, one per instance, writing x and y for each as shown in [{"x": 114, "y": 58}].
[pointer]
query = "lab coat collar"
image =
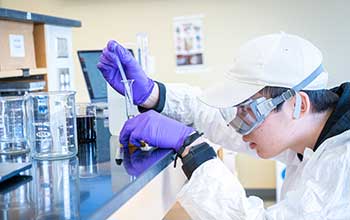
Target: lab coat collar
[{"x": 339, "y": 120}]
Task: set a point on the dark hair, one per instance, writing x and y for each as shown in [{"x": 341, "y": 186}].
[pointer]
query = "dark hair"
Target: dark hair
[{"x": 321, "y": 100}]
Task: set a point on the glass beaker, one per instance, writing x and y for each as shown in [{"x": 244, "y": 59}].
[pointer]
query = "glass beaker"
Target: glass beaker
[
  {"x": 86, "y": 122},
  {"x": 88, "y": 164},
  {"x": 56, "y": 192},
  {"x": 14, "y": 125},
  {"x": 15, "y": 198},
  {"x": 15, "y": 193},
  {"x": 54, "y": 125}
]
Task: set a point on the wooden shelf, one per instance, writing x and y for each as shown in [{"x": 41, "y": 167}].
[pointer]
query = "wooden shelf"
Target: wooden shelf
[
  {"x": 19, "y": 73},
  {"x": 24, "y": 16},
  {"x": 45, "y": 30}
]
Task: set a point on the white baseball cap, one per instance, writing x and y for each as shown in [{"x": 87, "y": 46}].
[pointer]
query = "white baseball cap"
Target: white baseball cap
[{"x": 281, "y": 60}]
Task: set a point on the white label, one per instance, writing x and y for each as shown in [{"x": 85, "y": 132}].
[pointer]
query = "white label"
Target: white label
[
  {"x": 29, "y": 16},
  {"x": 16, "y": 45}
]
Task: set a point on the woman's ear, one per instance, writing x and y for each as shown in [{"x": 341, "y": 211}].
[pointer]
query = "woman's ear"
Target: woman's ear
[{"x": 305, "y": 104}]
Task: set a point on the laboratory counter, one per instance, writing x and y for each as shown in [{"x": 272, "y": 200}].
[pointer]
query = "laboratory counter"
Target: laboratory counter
[{"x": 92, "y": 185}]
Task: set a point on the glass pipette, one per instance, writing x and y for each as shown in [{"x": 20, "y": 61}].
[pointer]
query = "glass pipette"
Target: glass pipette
[{"x": 131, "y": 109}]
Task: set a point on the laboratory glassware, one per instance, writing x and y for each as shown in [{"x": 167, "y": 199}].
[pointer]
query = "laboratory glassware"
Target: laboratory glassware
[
  {"x": 14, "y": 122},
  {"x": 86, "y": 122},
  {"x": 54, "y": 125},
  {"x": 56, "y": 192}
]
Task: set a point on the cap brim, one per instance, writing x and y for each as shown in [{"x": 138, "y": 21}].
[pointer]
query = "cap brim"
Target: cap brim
[{"x": 229, "y": 93}]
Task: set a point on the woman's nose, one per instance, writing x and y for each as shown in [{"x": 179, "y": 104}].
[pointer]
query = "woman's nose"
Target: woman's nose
[{"x": 245, "y": 138}]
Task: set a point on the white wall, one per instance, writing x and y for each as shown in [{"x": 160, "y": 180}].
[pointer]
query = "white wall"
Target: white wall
[{"x": 227, "y": 24}]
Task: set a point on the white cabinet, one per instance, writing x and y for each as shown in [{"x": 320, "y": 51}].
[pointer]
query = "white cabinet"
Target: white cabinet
[{"x": 59, "y": 57}]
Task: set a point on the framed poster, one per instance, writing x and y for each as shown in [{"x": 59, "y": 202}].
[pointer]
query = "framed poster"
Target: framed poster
[{"x": 188, "y": 39}]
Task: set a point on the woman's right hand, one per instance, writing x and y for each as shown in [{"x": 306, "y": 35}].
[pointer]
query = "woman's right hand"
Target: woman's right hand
[{"x": 142, "y": 86}]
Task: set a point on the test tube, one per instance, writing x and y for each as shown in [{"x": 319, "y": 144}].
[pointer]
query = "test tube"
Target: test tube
[
  {"x": 131, "y": 109},
  {"x": 142, "y": 50},
  {"x": 118, "y": 155}
]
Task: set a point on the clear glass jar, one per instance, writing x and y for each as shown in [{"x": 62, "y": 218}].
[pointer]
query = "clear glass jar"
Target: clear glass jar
[{"x": 54, "y": 134}]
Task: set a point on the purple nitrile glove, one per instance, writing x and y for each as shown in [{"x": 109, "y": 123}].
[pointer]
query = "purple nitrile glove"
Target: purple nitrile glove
[
  {"x": 142, "y": 86},
  {"x": 156, "y": 130}
]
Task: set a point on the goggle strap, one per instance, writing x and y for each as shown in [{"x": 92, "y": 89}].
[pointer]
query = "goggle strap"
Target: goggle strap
[
  {"x": 309, "y": 79},
  {"x": 297, "y": 108},
  {"x": 288, "y": 94},
  {"x": 283, "y": 97},
  {"x": 296, "y": 89}
]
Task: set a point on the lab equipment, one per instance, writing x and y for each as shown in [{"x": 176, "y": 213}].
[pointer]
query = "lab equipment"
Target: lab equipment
[
  {"x": 116, "y": 150},
  {"x": 56, "y": 189},
  {"x": 14, "y": 121},
  {"x": 108, "y": 65},
  {"x": 16, "y": 197},
  {"x": 142, "y": 86},
  {"x": 142, "y": 50},
  {"x": 159, "y": 131},
  {"x": 131, "y": 109},
  {"x": 135, "y": 86},
  {"x": 88, "y": 161},
  {"x": 118, "y": 157},
  {"x": 252, "y": 113},
  {"x": 86, "y": 122},
  {"x": 15, "y": 190},
  {"x": 54, "y": 125}
]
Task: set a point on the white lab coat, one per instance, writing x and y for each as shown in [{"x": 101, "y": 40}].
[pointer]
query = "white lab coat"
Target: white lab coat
[{"x": 316, "y": 188}]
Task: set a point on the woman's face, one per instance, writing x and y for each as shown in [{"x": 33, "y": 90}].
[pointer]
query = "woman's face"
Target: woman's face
[{"x": 275, "y": 134}]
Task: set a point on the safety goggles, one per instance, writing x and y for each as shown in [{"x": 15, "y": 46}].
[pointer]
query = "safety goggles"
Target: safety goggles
[{"x": 247, "y": 116}]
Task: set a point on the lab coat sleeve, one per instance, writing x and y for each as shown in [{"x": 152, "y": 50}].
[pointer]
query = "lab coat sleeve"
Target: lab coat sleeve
[
  {"x": 318, "y": 192},
  {"x": 182, "y": 104},
  {"x": 214, "y": 193}
]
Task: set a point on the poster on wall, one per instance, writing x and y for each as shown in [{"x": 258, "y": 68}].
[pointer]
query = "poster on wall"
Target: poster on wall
[{"x": 188, "y": 39}]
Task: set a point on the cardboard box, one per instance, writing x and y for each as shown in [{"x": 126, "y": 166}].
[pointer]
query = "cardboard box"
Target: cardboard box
[{"x": 16, "y": 45}]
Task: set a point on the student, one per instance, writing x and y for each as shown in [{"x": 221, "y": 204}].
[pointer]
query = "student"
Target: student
[{"x": 274, "y": 103}]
